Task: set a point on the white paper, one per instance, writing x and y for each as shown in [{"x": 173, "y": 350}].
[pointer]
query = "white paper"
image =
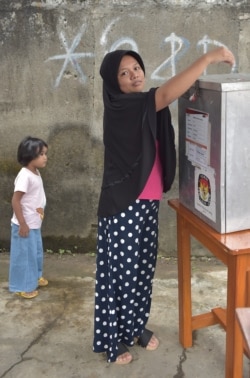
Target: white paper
[{"x": 198, "y": 138}]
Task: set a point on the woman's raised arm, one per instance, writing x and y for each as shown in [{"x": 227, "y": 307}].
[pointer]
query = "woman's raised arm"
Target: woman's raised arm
[{"x": 179, "y": 84}]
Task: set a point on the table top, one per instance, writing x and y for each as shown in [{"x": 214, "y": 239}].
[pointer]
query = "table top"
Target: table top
[{"x": 235, "y": 242}]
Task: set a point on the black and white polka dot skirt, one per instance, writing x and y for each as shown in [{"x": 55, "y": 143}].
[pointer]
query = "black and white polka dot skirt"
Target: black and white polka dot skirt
[{"x": 126, "y": 259}]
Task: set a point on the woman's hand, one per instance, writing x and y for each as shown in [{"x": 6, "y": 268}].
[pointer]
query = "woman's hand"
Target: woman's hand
[{"x": 220, "y": 54}]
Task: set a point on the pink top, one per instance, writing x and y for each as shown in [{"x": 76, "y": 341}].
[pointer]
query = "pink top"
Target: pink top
[{"x": 154, "y": 186}]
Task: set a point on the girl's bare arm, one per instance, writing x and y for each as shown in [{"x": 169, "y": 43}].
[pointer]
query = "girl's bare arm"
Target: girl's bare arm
[{"x": 16, "y": 204}]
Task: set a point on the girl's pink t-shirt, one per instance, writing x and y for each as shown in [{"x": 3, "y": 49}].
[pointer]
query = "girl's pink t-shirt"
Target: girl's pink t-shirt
[{"x": 154, "y": 186}]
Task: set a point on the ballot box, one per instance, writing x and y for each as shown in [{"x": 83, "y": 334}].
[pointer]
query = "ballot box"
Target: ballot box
[{"x": 214, "y": 151}]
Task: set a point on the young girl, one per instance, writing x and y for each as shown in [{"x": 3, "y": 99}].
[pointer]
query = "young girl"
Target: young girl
[
  {"x": 28, "y": 202},
  {"x": 135, "y": 127}
]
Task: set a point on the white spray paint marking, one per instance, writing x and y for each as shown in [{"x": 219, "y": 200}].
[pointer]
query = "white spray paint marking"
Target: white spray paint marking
[
  {"x": 178, "y": 46},
  {"x": 205, "y": 41},
  {"x": 71, "y": 57}
]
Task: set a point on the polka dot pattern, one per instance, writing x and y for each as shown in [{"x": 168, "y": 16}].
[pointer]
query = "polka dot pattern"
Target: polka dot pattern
[{"x": 126, "y": 259}]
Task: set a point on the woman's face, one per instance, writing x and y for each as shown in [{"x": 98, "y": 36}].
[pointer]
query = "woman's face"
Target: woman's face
[{"x": 131, "y": 77}]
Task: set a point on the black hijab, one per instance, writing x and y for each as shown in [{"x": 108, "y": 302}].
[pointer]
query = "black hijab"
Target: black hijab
[{"x": 129, "y": 134}]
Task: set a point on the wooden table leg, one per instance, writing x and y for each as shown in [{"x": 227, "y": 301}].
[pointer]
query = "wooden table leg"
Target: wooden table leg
[
  {"x": 184, "y": 283},
  {"x": 248, "y": 288},
  {"x": 236, "y": 297},
  {"x": 233, "y": 250}
]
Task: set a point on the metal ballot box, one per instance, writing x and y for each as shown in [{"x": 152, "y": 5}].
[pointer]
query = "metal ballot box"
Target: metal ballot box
[{"x": 214, "y": 151}]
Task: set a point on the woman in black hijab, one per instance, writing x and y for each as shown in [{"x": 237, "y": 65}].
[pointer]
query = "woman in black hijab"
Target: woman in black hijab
[{"x": 139, "y": 165}]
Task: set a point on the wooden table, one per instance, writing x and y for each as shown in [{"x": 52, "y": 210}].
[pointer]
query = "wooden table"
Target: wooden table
[
  {"x": 243, "y": 317},
  {"x": 233, "y": 249}
]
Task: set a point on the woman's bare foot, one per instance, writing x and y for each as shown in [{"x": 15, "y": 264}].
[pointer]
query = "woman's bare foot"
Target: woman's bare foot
[
  {"x": 153, "y": 343},
  {"x": 147, "y": 340},
  {"x": 124, "y": 359},
  {"x": 123, "y": 355}
]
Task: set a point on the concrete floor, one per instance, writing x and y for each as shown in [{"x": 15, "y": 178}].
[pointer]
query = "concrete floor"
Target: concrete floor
[{"x": 51, "y": 335}]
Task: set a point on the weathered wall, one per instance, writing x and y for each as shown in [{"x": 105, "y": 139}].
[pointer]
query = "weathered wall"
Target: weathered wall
[{"x": 51, "y": 51}]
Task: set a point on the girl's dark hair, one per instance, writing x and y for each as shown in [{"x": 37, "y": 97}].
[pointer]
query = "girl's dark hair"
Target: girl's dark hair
[{"x": 29, "y": 149}]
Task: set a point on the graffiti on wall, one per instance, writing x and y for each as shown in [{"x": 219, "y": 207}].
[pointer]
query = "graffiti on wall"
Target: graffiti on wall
[
  {"x": 178, "y": 48},
  {"x": 71, "y": 57}
]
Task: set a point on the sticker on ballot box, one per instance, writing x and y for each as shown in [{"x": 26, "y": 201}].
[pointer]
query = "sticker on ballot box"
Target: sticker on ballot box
[
  {"x": 198, "y": 137},
  {"x": 205, "y": 192}
]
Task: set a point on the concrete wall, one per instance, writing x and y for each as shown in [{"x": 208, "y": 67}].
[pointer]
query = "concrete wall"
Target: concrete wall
[{"x": 51, "y": 51}]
